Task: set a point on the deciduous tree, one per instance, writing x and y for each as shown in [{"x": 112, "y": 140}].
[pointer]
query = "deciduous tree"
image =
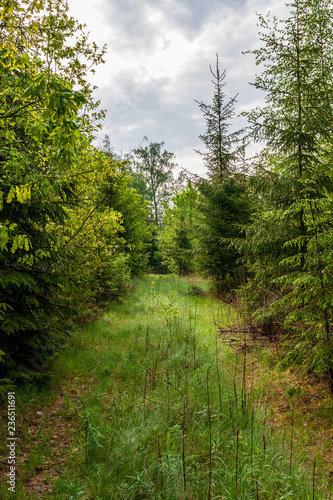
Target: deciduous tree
[
  {"x": 46, "y": 120},
  {"x": 178, "y": 238},
  {"x": 152, "y": 175}
]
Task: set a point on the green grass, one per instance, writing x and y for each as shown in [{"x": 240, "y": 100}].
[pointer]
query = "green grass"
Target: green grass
[{"x": 154, "y": 409}]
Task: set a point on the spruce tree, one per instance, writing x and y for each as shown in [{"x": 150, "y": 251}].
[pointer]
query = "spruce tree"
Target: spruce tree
[
  {"x": 221, "y": 152},
  {"x": 289, "y": 244},
  {"x": 224, "y": 202}
]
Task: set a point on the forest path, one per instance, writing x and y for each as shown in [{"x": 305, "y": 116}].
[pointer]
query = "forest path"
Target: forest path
[{"x": 149, "y": 403}]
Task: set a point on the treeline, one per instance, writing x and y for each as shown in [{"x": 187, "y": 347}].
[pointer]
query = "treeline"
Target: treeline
[{"x": 76, "y": 221}]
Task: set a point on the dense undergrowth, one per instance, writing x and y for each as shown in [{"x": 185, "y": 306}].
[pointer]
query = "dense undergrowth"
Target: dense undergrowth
[{"x": 148, "y": 403}]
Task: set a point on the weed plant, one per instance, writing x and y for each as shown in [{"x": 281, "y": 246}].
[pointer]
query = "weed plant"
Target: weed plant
[{"x": 163, "y": 413}]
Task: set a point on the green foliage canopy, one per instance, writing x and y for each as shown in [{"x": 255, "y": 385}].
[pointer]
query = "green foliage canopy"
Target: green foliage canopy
[
  {"x": 59, "y": 240},
  {"x": 152, "y": 174},
  {"x": 289, "y": 243},
  {"x": 178, "y": 238}
]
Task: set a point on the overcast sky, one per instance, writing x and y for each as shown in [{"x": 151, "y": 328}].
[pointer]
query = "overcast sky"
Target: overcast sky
[{"x": 157, "y": 65}]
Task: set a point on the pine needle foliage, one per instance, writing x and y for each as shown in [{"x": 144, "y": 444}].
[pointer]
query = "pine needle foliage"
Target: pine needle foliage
[
  {"x": 224, "y": 202},
  {"x": 221, "y": 153},
  {"x": 224, "y": 209},
  {"x": 289, "y": 243}
]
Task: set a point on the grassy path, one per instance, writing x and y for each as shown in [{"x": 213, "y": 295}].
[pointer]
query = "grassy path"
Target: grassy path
[{"x": 146, "y": 403}]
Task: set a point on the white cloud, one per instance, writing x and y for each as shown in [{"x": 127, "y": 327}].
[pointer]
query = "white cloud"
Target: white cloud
[{"x": 159, "y": 52}]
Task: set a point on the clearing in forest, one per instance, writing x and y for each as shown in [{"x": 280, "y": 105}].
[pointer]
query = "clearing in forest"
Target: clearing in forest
[{"x": 147, "y": 402}]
